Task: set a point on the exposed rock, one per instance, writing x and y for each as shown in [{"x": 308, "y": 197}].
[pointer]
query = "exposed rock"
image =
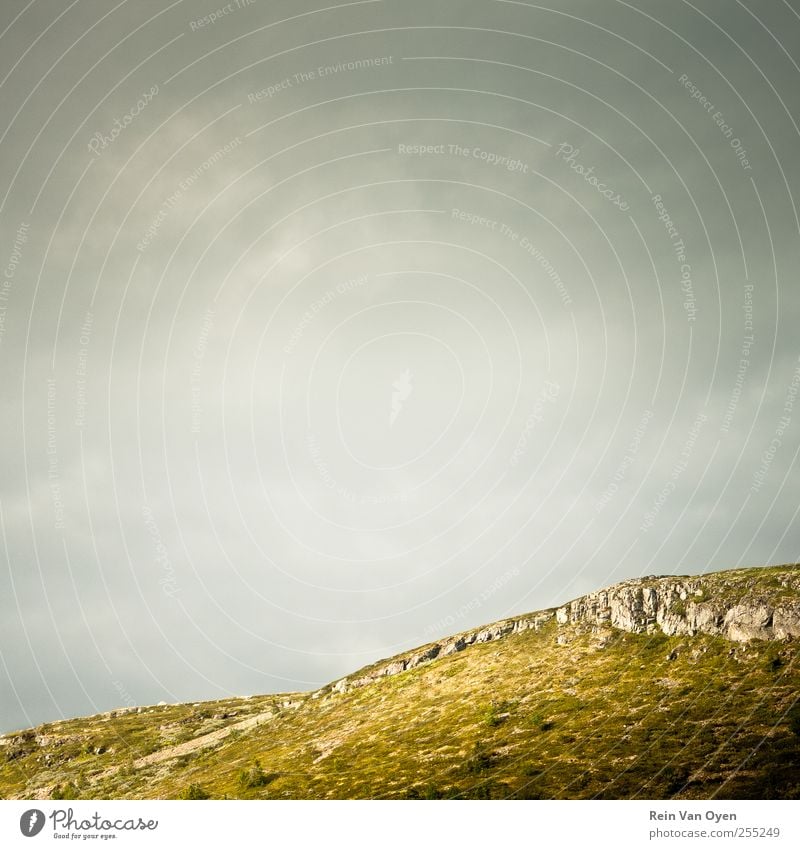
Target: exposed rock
[
  {"x": 442, "y": 649},
  {"x": 428, "y": 654},
  {"x": 748, "y": 622},
  {"x": 786, "y": 621},
  {"x": 675, "y": 606}
]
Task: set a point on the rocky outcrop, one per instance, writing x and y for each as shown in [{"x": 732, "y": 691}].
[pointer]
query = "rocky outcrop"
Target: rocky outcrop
[
  {"x": 685, "y": 607},
  {"x": 737, "y": 605},
  {"x": 449, "y": 646}
]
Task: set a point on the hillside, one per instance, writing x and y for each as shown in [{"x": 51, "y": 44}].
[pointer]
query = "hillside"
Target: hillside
[{"x": 654, "y": 688}]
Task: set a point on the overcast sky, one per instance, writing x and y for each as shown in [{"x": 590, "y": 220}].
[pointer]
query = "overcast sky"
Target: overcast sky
[{"x": 325, "y": 332}]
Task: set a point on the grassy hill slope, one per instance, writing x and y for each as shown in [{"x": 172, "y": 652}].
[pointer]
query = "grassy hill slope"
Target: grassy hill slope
[{"x": 565, "y": 711}]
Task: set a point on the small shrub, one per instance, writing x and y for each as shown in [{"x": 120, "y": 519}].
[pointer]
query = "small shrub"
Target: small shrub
[
  {"x": 497, "y": 713},
  {"x": 539, "y": 720},
  {"x": 127, "y": 769},
  {"x": 68, "y": 790},
  {"x": 479, "y": 761},
  {"x": 675, "y": 779},
  {"x": 678, "y": 607},
  {"x": 194, "y": 791},
  {"x": 255, "y": 777}
]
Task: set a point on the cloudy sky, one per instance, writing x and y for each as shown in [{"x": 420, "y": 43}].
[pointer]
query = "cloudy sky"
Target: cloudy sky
[{"x": 330, "y": 329}]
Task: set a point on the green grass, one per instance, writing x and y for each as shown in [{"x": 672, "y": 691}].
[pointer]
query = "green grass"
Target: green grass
[{"x": 603, "y": 715}]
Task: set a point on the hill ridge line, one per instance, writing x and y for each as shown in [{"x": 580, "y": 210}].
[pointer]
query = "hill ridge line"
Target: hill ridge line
[
  {"x": 739, "y": 609},
  {"x": 732, "y": 604}
]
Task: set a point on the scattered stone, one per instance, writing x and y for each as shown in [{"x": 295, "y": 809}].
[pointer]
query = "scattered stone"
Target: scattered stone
[{"x": 675, "y": 606}]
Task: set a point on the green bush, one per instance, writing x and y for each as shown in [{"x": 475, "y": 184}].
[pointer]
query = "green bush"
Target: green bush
[
  {"x": 68, "y": 790},
  {"x": 497, "y": 713},
  {"x": 194, "y": 791},
  {"x": 255, "y": 777},
  {"x": 480, "y": 760}
]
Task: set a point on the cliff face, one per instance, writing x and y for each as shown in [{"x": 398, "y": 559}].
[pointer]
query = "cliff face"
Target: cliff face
[
  {"x": 684, "y": 607},
  {"x": 736, "y": 605}
]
